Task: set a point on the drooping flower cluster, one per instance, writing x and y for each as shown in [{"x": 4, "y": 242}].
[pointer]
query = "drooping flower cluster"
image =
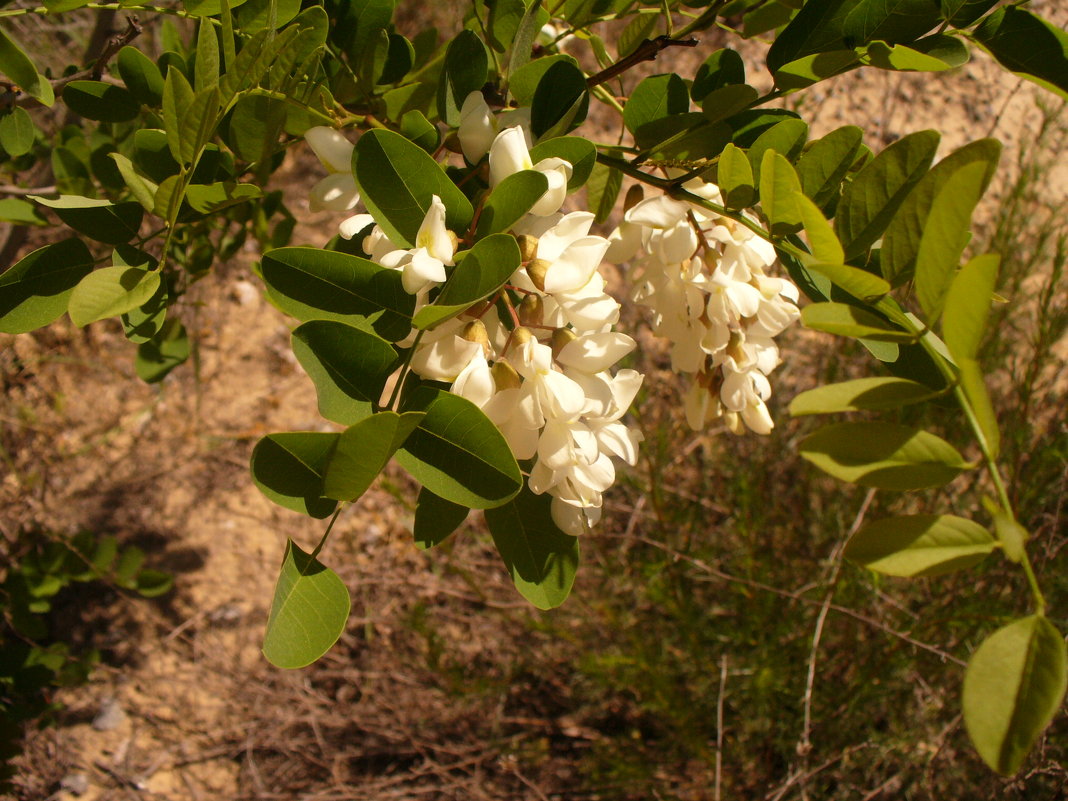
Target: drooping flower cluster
[
  {"x": 538, "y": 362},
  {"x": 704, "y": 277}
]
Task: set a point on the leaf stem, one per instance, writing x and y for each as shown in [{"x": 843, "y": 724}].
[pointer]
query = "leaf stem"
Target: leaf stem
[{"x": 326, "y": 534}]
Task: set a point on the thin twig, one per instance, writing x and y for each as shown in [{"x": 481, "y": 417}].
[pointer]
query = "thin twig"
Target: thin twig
[
  {"x": 22, "y": 191},
  {"x": 648, "y": 50},
  {"x": 717, "y": 795}
]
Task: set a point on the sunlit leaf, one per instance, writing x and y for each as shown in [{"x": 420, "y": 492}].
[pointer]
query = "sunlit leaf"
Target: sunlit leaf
[
  {"x": 510, "y": 200},
  {"x": 735, "y": 178},
  {"x": 17, "y": 132},
  {"x": 875, "y": 394},
  {"x": 578, "y": 151},
  {"x": 362, "y": 452},
  {"x": 36, "y": 290},
  {"x": 111, "y": 291},
  {"x": 883, "y": 455},
  {"x": 780, "y": 190},
  {"x": 309, "y": 611},
  {"x": 825, "y": 163},
  {"x": 1013, "y": 687},
  {"x": 920, "y": 545}
]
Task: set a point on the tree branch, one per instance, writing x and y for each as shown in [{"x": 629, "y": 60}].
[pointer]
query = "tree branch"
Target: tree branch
[{"x": 648, "y": 50}]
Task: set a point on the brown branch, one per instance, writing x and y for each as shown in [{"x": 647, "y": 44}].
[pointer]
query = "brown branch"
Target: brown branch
[
  {"x": 22, "y": 191},
  {"x": 648, "y": 50}
]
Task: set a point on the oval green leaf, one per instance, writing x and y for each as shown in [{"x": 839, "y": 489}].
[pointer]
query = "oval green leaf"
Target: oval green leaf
[
  {"x": 104, "y": 102},
  {"x": 883, "y": 455},
  {"x": 580, "y": 153},
  {"x": 541, "y": 559},
  {"x": 362, "y": 452},
  {"x": 861, "y": 394},
  {"x": 435, "y": 519},
  {"x": 1013, "y": 687},
  {"x": 111, "y": 291},
  {"x": 457, "y": 453},
  {"x": 310, "y": 608},
  {"x": 398, "y": 180},
  {"x": 480, "y": 273},
  {"x": 141, "y": 76},
  {"x": 349, "y": 367},
  {"x": 920, "y": 545},
  {"x": 37, "y": 289},
  {"x": 17, "y": 132},
  {"x": 510, "y": 200},
  {"x": 288, "y": 468}
]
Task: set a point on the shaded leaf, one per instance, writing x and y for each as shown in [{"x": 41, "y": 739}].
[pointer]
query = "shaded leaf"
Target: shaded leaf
[
  {"x": 847, "y": 320},
  {"x": 17, "y": 132},
  {"x": 1028, "y": 45},
  {"x": 825, "y": 163},
  {"x": 457, "y": 453},
  {"x": 560, "y": 102},
  {"x": 435, "y": 519},
  {"x": 602, "y": 190},
  {"x": 288, "y": 468},
  {"x": 349, "y": 367},
  {"x": 465, "y": 69},
  {"x": 362, "y": 452},
  {"x": 578, "y": 151},
  {"x": 36, "y": 290},
  {"x": 161, "y": 354},
  {"x": 541, "y": 559},
  {"x": 102, "y": 220}
]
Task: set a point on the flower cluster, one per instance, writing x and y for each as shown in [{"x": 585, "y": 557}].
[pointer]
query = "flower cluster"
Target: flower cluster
[
  {"x": 538, "y": 360},
  {"x": 704, "y": 277}
]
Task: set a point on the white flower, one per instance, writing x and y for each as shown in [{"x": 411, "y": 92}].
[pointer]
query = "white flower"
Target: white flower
[
  {"x": 434, "y": 249},
  {"x": 509, "y": 154},
  {"x": 477, "y": 128},
  {"x": 337, "y": 191}
]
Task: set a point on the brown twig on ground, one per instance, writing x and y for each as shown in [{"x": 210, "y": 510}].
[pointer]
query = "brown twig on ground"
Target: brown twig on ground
[{"x": 648, "y": 50}]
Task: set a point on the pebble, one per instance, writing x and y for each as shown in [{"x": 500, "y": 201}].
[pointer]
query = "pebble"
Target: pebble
[
  {"x": 75, "y": 783},
  {"x": 110, "y": 715}
]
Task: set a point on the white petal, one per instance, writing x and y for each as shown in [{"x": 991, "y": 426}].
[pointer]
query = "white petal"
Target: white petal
[
  {"x": 476, "y": 131},
  {"x": 574, "y": 267},
  {"x": 335, "y": 192},
  {"x": 508, "y": 155},
  {"x": 657, "y": 212},
  {"x": 475, "y": 382},
  {"x": 593, "y": 353},
  {"x": 354, "y": 224},
  {"x": 333, "y": 149}
]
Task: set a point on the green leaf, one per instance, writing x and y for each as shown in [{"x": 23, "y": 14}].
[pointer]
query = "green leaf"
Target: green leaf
[
  {"x": 111, "y": 291},
  {"x": 541, "y": 559},
  {"x": 890, "y": 20},
  {"x": 968, "y": 306},
  {"x": 210, "y": 198},
  {"x": 962, "y": 13},
  {"x": 780, "y": 190},
  {"x": 457, "y": 453},
  {"x": 656, "y": 97},
  {"x": 870, "y": 202},
  {"x": 919, "y": 545},
  {"x": 946, "y": 234},
  {"x": 161, "y": 354},
  {"x": 1012, "y": 535},
  {"x": 767, "y": 16},
  {"x": 602, "y": 190},
  {"x": 974, "y": 385},
  {"x": 735, "y": 178},
  {"x": 505, "y": 16},
  {"x": 825, "y": 163},
  {"x": 823, "y": 244},
  {"x": 36, "y": 290},
  {"x": 1028, "y": 45},
  {"x": 719, "y": 104},
  {"x": 16, "y": 65},
  {"x": 207, "y": 56},
  {"x": 640, "y": 27},
  {"x": 722, "y": 68},
  {"x": 101, "y": 101},
  {"x": 362, "y": 452},
  {"x": 510, "y": 200},
  {"x": 177, "y": 99},
  {"x": 847, "y": 320},
  {"x": 902, "y": 240},
  {"x": 310, "y": 608},
  {"x": 17, "y": 132},
  {"x": 813, "y": 68},
  {"x": 435, "y": 519},
  {"x": 418, "y": 129},
  {"x": 786, "y": 138},
  {"x": 479, "y": 274},
  {"x": 207, "y": 8},
  {"x": 1013, "y": 687},
  {"x": 198, "y": 123},
  {"x": 817, "y": 28},
  {"x": 313, "y": 284},
  {"x": 560, "y": 102},
  {"x": 525, "y": 35},
  {"x": 111, "y": 223},
  {"x": 398, "y": 180},
  {"x": 349, "y": 367},
  {"x": 465, "y": 70},
  {"x": 883, "y": 455},
  {"x": 146, "y": 321},
  {"x": 143, "y": 190},
  {"x": 875, "y": 394},
  {"x": 21, "y": 212},
  {"x": 153, "y": 583},
  {"x": 258, "y": 15},
  {"x": 933, "y": 54},
  {"x": 524, "y": 83},
  {"x": 288, "y": 468},
  {"x": 577, "y": 151}
]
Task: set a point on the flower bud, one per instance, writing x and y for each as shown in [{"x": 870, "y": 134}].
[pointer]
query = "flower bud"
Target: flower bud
[
  {"x": 560, "y": 339},
  {"x": 633, "y": 197},
  {"x": 537, "y": 269},
  {"x": 452, "y": 143},
  {"x": 475, "y": 331},
  {"x": 519, "y": 337},
  {"x": 532, "y": 310},
  {"x": 505, "y": 376},
  {"x": 528, "y": 247}
]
